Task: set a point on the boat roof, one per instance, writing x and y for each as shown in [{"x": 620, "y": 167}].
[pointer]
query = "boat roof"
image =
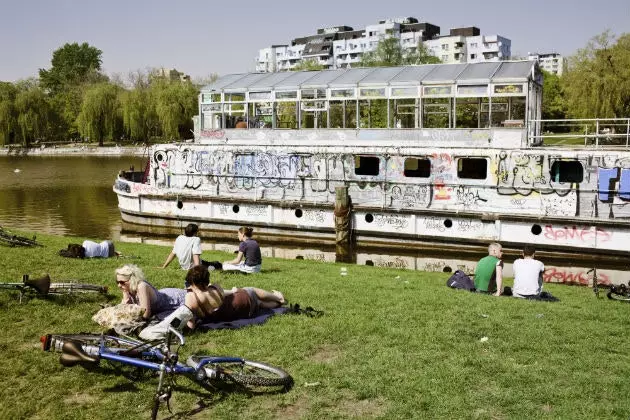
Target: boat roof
[{"x": 426, "y": 74}]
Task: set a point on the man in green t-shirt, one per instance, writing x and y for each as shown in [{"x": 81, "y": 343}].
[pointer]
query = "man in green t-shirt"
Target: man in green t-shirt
[{"x": 489, "y": 271}]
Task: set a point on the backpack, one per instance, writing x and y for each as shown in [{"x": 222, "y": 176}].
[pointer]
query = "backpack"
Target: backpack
[
  {"x": 460, "y": 280},
  {"x": 73, "y": 251}
]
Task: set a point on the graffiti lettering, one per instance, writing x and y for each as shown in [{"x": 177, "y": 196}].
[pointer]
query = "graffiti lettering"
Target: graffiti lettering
[
  {"x": 574, "y": 232},
  {"x": 569, "y": 276},
  {"x": 217, "y": 134}
]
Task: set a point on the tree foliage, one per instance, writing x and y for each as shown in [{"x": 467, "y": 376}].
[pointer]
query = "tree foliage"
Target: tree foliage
[
  {"x": 99, "y": 116},
  {"x": 553, "y": 103},
  {"x": 8, "y": 115},
  {"x": 597, "y": 82},
  {"x": 139, "y": 117},
  {"x": 33, "y": 112},
  {"x": 389, "y": 52},
  {"x": 72, "y": 64},
  {"x": 175, "y": 104},
  {"x": 306, "y": 65}
]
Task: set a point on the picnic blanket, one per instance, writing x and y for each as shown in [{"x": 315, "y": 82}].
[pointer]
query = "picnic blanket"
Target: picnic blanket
[{"x": 262, "y": 317}]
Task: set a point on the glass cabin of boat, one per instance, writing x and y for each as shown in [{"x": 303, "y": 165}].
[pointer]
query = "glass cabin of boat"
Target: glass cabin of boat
[{"x": 441, "y": 96}]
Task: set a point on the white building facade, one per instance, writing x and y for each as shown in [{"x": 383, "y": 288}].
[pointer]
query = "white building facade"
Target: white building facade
[
  {"x": 342, "y": 46},
  {"x": 551, "y": 62}
]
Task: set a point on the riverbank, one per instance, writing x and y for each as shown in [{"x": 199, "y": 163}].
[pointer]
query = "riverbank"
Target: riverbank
[
  {"x": 391, "y": 344},
  {"x": 74, "y": 150}
]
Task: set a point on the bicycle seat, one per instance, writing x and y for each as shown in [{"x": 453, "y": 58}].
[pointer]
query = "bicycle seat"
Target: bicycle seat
[
  {"x": 72, "y": 354},
  {"x": 42, "y": 284}
]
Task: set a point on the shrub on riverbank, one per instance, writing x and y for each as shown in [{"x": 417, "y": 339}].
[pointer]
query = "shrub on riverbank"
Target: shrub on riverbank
[{"x": 391, "y": 344}]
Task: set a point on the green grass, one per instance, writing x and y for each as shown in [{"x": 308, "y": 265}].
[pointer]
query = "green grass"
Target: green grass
[{"x": 392, "y": 344}]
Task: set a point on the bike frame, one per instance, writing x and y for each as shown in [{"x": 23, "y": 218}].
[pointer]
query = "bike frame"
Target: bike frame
[{"x": 107, "y": 353}]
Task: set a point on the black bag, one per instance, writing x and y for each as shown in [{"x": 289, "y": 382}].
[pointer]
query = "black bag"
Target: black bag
[
  {"x": 73, "y": 251},
  {"x": 460, "y": 280}
]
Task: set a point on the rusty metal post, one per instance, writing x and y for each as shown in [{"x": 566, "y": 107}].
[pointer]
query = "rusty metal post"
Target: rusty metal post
[{"x": 343, "y": 225}]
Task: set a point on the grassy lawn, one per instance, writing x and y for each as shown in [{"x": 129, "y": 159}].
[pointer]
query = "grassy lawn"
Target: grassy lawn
[{"x": 392, "y": 344}]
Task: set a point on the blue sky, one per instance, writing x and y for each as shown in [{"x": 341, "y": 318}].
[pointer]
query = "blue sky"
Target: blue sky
[{"x": 202, "y": 37}]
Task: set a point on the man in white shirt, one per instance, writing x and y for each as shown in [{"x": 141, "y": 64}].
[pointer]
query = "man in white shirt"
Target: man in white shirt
[
  {"x": 104, "y": 249},
  {"x": 527, "y": 275},
  {"x": 187, "y": 249}
]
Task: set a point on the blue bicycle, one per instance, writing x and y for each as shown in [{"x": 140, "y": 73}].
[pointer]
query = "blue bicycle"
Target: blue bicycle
[{"x": 162, "y": 356}]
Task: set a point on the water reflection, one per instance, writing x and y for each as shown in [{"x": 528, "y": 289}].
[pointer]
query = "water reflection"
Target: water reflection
[{"x": 62, "y": 195}]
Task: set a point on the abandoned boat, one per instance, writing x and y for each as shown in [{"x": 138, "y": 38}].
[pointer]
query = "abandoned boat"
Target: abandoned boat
[{"x": 431, "y": 156}]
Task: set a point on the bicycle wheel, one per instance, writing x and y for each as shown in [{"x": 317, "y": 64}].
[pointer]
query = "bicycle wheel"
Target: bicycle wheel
[
  {"x": 245, "y": 372},
  {"x": 616, "y": 294},
  {"x": 91, "y": 342},
  {"x": 69, "y": 288}
]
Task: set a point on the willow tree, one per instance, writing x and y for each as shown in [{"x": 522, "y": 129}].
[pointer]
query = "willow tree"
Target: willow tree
[
  {"x": 138, "y": 109},
  {"x": 597, "y": 82},
  {"x": 176, "y": 102},
  {"x": 100, "y": 112},
  {"x": 8, "y": 117},
  {"x": 33, "y": 112}
]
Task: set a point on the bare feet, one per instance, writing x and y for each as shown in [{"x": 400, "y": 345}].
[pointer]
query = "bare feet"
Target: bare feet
[{"x": 279, "y": 295}]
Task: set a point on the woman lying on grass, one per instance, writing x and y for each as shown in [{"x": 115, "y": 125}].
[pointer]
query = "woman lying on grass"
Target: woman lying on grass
[
  {"x": 210, "y": 303},
  {"x": 136, "y": 289}
]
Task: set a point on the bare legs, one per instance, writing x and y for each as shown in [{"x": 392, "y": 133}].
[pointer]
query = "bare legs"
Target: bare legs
[{"x": 269, "y": 300}]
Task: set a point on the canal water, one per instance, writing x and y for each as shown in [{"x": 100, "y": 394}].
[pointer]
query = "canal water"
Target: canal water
[
  {"x": 62, "y": 195},
  {"x": 73, "y": 196}
]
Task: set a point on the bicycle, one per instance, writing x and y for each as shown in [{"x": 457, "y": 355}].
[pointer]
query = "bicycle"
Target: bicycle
[
  {"x": 87, "y": 350},
  {"x": 43, "y": 287},
  {"x": 619, "y": 292},
  {"x": 15, "y": 240}
]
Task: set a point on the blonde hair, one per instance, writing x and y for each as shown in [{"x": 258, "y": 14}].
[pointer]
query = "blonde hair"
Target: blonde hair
[
  {"x": 133, "y": 273},
  {"x": 494, "y": 248}
]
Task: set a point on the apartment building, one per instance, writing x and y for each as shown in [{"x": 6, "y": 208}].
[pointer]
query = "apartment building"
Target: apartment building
[
  {"x": 551, "y": 62},
  {"x": 342, "y": 46},
  {"x": 467, "y": 45}
]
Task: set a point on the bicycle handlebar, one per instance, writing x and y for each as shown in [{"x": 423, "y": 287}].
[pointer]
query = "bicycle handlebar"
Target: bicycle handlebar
[{"x": 177, "y": 334}]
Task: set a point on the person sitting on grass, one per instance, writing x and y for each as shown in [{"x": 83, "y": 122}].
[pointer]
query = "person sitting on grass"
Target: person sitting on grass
[
  {"x": 187, "y": 249},
  {"x": 489, "y": 271},
  {"x": 528, "y": 275},
  {"x": 136, "y": 289},
  {"x": 250, "y": 250}
]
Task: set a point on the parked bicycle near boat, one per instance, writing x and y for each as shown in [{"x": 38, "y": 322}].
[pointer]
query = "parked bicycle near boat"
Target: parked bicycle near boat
[
  {"x": 619, "y": 292},
  {"x": 162, "y": 356}
]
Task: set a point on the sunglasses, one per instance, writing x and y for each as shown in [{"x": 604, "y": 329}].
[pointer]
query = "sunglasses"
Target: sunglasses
[{"x": 122, "y": 281}]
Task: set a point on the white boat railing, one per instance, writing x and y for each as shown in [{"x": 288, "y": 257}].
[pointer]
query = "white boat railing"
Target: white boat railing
[{"x": 592, "y": 133}]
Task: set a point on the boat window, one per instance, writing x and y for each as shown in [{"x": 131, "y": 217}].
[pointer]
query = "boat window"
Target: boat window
[
  {"x": 235, "y": 97},
  {"x": 567, "y": 171},
  {"x": 313, "y": 93},
  {"x": 290, "y": 94},
  {"x": 436, "y": 113},
  {"x": 257, "y": 96},
  {"x": 472, "y": 168},
  {"x": 286, "y": 115},
  {"x": 467, "y": 112},
  {"x": 366, "y": 165},
  {"x": 403, "y": 113},
  {"x": 372, "y": 92},
  {"x": 404, "y": 92},
  {"x": 417, "y": 168},
  {"x": 373, "y": 113},
  {"x": 343, "y": 114},
  {"x": 342, "y": 93},
  {"x": 261, "y": 114}
]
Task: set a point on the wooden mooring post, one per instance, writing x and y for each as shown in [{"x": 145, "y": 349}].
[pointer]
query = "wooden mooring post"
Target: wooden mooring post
[{"x": 343, "y": 226}]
